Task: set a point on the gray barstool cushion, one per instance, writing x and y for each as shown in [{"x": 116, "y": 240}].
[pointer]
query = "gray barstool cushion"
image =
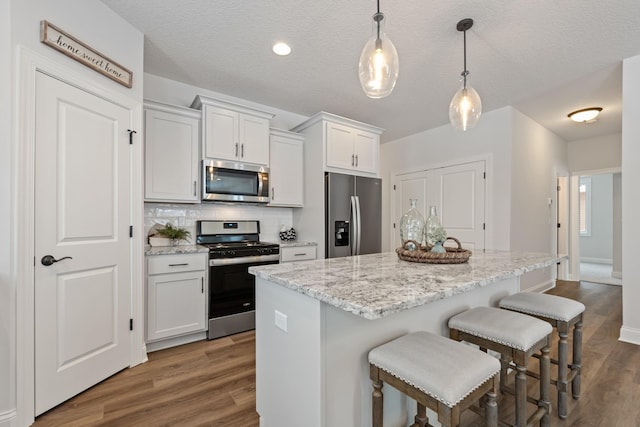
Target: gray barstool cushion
[
  {"x": 443, "y": 368},
  {"x": 516, "y": 330},
  {"x": 551, "y": 306}
]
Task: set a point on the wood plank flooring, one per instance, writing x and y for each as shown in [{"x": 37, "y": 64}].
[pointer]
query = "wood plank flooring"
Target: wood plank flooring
[{"x": 212, "y": 383}]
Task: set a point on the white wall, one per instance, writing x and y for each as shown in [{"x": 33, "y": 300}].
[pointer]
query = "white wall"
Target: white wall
[
  {"x": 538, "y": 157},
  {"x": 630, "y": 330},
  {"x": 598, "y": 247},
  {"x": 176, "y": 93},
  {"x": 602, "y": 152},
  {"x": 442, "y": 146},
  {"x": 616, "y": 270},
  {"x": 7, "y": 274},
  {"x": 99, "y": 27}
]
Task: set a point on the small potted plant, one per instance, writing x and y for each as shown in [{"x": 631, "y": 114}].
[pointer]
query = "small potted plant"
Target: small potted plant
[{"x": 174, "y": 234}]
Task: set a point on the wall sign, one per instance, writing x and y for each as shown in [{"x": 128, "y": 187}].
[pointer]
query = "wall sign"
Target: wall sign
[{"x": 56, "y": 38}]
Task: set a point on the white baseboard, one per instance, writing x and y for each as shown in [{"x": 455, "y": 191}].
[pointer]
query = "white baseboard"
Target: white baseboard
[
  {"x": 8, "y": 418},
  {"x": 596, "y": 260},
  {"x": 616, "y": 274},
  {"x": 541, "y": 287},
  {"x": 172, "y": 342},
  {"x": 630, "y": 335}
]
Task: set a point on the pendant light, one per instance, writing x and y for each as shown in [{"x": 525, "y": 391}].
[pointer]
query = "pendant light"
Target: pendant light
[
  {"x": 378, "y": 67},
  {"x": 466, "y": 106}
]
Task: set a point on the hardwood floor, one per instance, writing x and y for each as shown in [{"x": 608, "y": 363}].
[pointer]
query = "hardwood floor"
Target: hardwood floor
[{"x": 212, "y": 383}]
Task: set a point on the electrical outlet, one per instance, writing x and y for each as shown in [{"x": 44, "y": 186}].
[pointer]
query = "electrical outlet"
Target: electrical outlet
[{"x": 281, "y": 320}]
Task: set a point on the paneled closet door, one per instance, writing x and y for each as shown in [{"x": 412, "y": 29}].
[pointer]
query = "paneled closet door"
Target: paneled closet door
[{"x": 82, "y": 244}]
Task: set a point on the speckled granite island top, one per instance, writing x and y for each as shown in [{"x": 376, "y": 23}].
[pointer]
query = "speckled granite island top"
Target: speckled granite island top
[{"x": 377, "y": 285}]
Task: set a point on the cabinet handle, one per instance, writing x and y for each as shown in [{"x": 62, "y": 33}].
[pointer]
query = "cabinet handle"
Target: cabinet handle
[
  {"x": 352, "y": 160},
  {"x": 202, "y": 284},
  {"x": 273, "y": 193},
  {"x": 302, "y": 254},
  {"x": 242, "y": 151},
  {"x": 236, "y": 149},
  {"x": 179, "y": 265},
  {"x": 195, "y": 185},
  {"x": 356, "y": 160},
  {"x": 246, "y": 304}
]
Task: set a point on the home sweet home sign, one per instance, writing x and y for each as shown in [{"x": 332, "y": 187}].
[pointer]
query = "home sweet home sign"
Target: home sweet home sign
[{"x": 56, "y": 38}]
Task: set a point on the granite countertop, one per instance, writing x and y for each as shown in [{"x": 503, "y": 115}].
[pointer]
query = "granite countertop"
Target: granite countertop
[
  {"x": 377, "y": 285},
  {"x": 173, "y": 250}
]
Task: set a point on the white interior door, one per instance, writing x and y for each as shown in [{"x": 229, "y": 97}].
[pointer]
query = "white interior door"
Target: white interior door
[
  {"x": 563, "y": 225},
  {"x": 457, "y": 192},
  {"x": 82, "y": 185}
]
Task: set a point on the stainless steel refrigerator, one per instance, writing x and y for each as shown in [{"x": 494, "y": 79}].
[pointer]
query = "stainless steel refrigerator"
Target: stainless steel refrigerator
[{"x": 353, "y": 207}]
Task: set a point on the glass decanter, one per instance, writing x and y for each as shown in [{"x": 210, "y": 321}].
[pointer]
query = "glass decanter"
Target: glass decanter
[
  {"x": 412, "y": 227},
  {"x": 434, "y": 233}
]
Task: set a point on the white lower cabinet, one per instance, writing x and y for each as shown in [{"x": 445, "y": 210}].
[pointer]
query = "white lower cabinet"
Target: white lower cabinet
[
  {"x": 297, "y": 253},
  {"x": 176, "y": 295}
]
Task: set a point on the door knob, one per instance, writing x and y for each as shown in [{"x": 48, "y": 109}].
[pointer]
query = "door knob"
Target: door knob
[{"x": 48, "y": 260}]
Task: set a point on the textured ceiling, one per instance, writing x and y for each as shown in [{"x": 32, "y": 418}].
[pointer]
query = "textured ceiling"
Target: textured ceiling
[{"x": 545, "y": 58}]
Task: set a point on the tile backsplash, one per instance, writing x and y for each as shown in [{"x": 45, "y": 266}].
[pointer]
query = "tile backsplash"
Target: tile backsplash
[{"x": 185, "y": 216}]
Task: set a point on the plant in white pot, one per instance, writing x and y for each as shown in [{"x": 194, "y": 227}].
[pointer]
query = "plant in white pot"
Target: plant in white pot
[{"x": 173, "y": 234}]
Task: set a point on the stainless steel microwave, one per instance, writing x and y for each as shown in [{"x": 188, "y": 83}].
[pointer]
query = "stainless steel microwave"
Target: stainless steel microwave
[{"x": 224, "y": 181}]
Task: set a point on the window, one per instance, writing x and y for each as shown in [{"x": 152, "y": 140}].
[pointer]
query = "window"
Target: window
[{"x": 585, "y": 206}]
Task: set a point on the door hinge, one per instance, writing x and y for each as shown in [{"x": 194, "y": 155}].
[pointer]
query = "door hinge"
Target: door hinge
[
  {"x": 394, "y": 225},
  {"x": 131, "y": 132},
  {"x": 394, "y": 186},
  {"x": 558, "y": 225},
  {"x": 558, "y": 188},
  {"x": 131, "y": 231},
  {"x": 484, "y": 175},
  {"x": 483, "y": 226},
  {"x": 131, "y": 324}
]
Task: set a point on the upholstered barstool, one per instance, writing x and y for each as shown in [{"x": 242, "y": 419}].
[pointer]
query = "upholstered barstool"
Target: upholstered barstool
[
  {"x": 562, "y": 314},
  {"x": 440, "y": 374},
  {"x": 516, "y": 337}
]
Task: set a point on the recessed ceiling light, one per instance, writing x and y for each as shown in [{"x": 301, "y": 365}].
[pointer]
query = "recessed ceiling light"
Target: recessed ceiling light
[
  {"x": 585, "y": 115},
  {"x": 281, "y": 49}
]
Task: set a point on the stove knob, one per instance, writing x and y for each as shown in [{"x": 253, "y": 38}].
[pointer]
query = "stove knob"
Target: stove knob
[{"x": 232, "y": 252}]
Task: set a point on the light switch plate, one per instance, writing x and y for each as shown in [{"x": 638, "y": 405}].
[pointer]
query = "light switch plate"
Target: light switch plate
[{"x": 281, "y": 320}]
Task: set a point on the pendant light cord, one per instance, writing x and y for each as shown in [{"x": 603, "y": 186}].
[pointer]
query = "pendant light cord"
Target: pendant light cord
[
  {"x": 465, "y": 72},
  {"x": 378, "y": 20}
]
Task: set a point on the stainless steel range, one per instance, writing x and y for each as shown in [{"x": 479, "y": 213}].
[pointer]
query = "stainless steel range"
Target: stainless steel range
[{"x": 234, "y": 246}]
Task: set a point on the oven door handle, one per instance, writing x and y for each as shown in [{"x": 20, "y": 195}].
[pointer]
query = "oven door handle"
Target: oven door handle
[{"x": 243, "y": 260}]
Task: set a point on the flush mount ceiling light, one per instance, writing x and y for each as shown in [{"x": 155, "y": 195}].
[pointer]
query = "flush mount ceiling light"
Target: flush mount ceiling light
[
  {"x": 585, "y": 115},
  {"x": 378, "y": 67},
  {"x": 465, "y": 107},
  {"x": 281, "y": 49}
]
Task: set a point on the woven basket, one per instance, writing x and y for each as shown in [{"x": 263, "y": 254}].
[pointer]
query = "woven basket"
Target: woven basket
[{"x": 451, "y": 256}]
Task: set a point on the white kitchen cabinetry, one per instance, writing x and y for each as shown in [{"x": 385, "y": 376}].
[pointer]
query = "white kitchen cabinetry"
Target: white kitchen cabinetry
[
  {"x": 286, "y": 168},
  {"x": 176, "y": 295},
  {"x": 347, "y": 146},
  {"x": 352, "y": 148},
  {"x": 233, "y": 132},
  {"x": 172, "y": 153},
  {"x": 297, "y": 253}
]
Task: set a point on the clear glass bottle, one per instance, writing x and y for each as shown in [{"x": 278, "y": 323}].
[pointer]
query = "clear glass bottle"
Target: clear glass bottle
[
  {"x": 412, "y": 226},
  {"x": 433, "y": 231}
]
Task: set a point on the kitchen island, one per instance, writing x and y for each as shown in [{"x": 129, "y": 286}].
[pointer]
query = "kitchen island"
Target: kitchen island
[{"x": 317, "y": 320}]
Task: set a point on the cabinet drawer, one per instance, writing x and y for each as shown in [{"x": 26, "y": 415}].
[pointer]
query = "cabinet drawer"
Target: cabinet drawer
[
  {"x": 161, "y": 264},
  {"x": 297, "y": 253}
]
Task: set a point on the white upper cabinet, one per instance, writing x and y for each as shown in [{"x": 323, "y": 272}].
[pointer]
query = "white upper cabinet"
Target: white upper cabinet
[
  {"x": 172, "y": 144},
  {"x": 350, "y": 146},
  {"x": 234, "y": 132},
  {"x": 286, "y": 170}
]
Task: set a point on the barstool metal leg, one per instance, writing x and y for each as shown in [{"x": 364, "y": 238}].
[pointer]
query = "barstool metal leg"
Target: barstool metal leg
[
  {"x": 577, "y": 359},
  {"x": 521, "y": 396},
  {"x": 563, "y": 370},
  {"x": 545, "y": 378},
  {"x": 421, "y": 419}
]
